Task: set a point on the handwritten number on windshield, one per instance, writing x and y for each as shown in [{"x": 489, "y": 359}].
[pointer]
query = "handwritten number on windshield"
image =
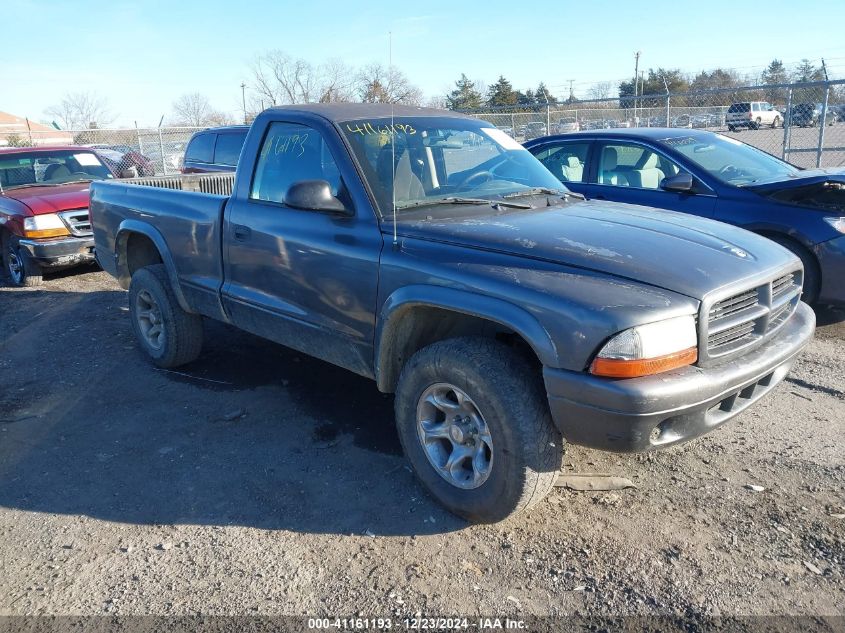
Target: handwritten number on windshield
[{"x": 368, "y": 128}]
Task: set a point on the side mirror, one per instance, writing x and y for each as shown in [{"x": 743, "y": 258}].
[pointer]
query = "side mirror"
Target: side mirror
[
  {"x": 679, "y": 183},
  {"x": 129, "y": 172},
  {"x": 314, "y": 195}
]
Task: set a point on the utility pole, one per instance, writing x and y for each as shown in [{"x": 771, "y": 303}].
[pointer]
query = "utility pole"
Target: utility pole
[
  {"x": 243, "y": 98},
  {"x": 824, "y": 70},
  {"x": 571, "y": 94},
  {"x": 636, "y": 80}
]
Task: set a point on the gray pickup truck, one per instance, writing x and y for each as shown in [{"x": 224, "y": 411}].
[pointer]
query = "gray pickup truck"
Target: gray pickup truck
[{"x": 432, "y": 253}]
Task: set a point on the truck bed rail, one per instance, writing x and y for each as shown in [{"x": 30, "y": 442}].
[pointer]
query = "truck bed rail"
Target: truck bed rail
[{"x": 220, "y": 184}]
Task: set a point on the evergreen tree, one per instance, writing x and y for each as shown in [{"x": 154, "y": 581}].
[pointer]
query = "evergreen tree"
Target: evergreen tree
[
  {"x": 464, "y": 96},
  {"x": 775, "y": 73},
  {"x": 526, "y": 98},
  {"x": 543, "y": 95},
  {"x": 501, "y": 93}
]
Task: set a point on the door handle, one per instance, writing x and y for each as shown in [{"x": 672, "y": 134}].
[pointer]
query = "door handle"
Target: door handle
[{"x": 241, "y": 232}]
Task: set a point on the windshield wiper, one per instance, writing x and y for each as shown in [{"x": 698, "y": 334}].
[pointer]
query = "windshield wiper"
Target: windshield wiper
[
  {"x": 459, "y": 200},
  {"x": 533, "y": 191},
  {"x": 544, "y": 190}
]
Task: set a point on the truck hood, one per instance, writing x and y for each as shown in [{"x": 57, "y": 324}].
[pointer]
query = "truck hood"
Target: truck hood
[
  {"x": 41, "y": 200},
  {"x": 675, "y": 251},
  {"x": 813, "y": 188}
]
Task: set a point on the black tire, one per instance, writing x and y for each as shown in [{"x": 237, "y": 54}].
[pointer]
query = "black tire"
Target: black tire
[
  {"x": 775, "y": 122},
  {"x": 527, "y": 449},
  {"x": 732, "y": 128},
  {"x": 757, "y": 123},
  {"x": 18, "y": 266},
  {"x": 812, "y": 275},
  {"x": 180, "y": 340}
]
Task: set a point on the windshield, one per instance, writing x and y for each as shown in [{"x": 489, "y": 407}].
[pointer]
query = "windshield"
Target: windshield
[
  {"x": 436, "y": 159},
  {"x": 50, "y": 168},
  {"x": 731, "y": 161}
]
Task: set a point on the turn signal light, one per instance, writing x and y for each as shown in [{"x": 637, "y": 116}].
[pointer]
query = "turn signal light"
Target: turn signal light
[
  {"x": 620, "y": 368},
  {"x": 47, "y": 233}
]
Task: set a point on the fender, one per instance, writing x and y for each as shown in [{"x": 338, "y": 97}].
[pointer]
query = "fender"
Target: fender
[
  {"x": 126, "y": 228},
  {"x": 469, "y": 303}
]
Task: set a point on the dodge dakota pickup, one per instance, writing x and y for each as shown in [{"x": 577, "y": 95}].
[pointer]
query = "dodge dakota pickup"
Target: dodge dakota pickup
[{"x": 432, "y": 253}]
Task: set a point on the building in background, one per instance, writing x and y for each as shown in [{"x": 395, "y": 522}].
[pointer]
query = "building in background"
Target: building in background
[{"x": 15, "y": 130}]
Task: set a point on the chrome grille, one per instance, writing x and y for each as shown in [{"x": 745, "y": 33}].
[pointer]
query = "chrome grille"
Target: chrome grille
[
  {"x": 77, "y": 222},
  {"x": 732, "y": 305},
  {"x": 782, "y": 285},
  {"x": 743, "y": 318}
]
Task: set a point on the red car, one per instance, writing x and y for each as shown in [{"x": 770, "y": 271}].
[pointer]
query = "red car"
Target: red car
[{"x": 44, "y": 197}]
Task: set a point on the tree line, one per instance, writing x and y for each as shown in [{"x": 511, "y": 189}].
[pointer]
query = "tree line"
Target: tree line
[{"x": 278, "y": 78}]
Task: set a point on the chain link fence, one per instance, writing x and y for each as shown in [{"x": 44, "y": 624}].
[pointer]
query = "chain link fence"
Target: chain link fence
[
  {"x": 151, "y": 151},
  {"x": 802, "y": 123}
]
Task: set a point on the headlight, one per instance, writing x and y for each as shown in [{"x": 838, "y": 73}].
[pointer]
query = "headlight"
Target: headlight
[
  {"x": 836, "y": 223},
  {"x": 648, "y": 349},
  {"x": 47, "y": 225}
]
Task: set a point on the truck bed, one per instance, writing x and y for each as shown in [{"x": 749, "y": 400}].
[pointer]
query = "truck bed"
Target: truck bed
[{"x": 187, "y": 213}]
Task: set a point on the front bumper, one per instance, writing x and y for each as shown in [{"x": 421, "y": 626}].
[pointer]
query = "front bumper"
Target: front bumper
[
  {"x": 60, "y": 253},
  {"x": 831, "y": 257},
  {"x": 640, "y": 414}
]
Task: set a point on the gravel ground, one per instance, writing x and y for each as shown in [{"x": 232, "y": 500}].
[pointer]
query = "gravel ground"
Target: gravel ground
[{"x": 259, "y": 481}]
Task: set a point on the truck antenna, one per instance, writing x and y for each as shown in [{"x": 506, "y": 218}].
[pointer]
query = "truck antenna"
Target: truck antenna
[{"x": 392, "y": 136}]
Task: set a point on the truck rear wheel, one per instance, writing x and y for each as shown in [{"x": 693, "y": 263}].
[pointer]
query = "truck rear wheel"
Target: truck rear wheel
[
  {"x": 169, "y": 335},
  {"x": 474, "y": 422},
  {"x": 21, "y": 270}
]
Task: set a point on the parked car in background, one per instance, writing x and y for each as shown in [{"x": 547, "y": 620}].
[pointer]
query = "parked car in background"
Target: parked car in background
[
  {"x": 44, "y": 222},
  {"x": 535, "y": 129},
  {"x": 715, "y": 176},
  {"x": 569, "y": 124},
  {"x": 214, "y": 149},
  {"x": 123, "y": 157},
  {"x": 507, "y": 129},
  {"x": 507, "y": 314},
  {"x": 809, "y": 115},
  {"x": 752, "y": 115},
  {"x": 682, "y": 120}
]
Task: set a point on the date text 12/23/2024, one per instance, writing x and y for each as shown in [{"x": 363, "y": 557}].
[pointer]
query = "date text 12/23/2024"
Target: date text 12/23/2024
[{"x": 416, "y": 624}]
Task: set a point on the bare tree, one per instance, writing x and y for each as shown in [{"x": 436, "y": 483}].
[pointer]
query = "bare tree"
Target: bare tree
[
  {"x": 336, "y": 82},
  {"x": 601, "y": 90},
  {"x": 194, "y": 110},
  {"x": 280, "y": 78},
  {"x": 81, "y": 110},
  {"x": 377, "y": 84}
]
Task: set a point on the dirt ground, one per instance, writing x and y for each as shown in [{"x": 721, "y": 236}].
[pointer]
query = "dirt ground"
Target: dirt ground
[{"x": 259, "y": 481}]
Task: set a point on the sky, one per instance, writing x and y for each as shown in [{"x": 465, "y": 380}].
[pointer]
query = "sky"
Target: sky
[{"x": 142, "y": 55}]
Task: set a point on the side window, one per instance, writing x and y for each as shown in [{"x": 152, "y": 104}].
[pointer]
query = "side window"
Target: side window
[
  {"x": 201, "y": 148},
  {"x": 567, "y": 161},
  {"x": 755, "y": 107},
  {"x": 631, "y": 165},
  {"x": 291, "y": 153},
  {"x": 228, "y": 148}
]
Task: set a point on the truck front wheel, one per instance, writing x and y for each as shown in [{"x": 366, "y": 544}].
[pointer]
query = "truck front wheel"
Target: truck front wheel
[
  {"x": 169, "y": 335},
  {"x": 474, "y": 422}
]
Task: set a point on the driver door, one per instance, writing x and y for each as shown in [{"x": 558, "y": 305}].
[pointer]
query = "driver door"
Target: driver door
[{"x": 305, "y": 279}]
